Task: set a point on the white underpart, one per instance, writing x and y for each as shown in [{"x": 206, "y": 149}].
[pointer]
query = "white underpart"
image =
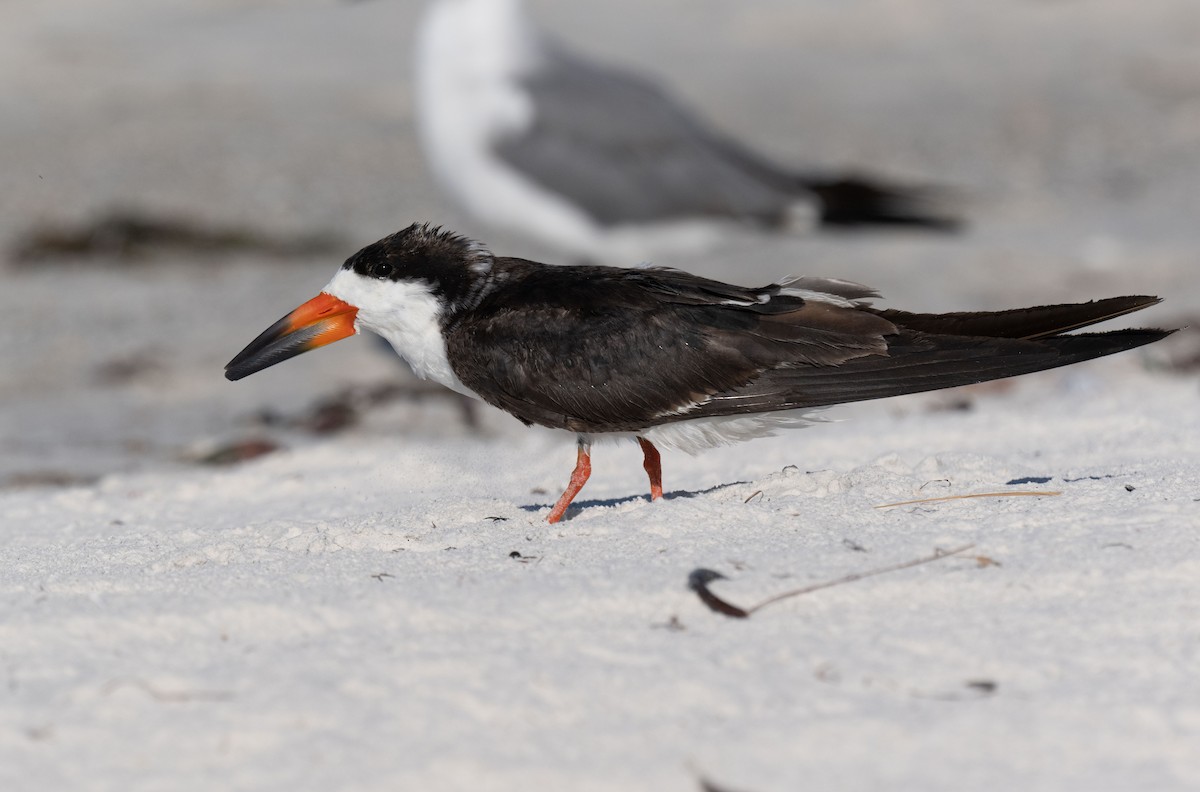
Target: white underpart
[
  {"x": 470, "y": 56},
  {"x": 701, "y": 434},
  {"x": 406, "y": 313}
]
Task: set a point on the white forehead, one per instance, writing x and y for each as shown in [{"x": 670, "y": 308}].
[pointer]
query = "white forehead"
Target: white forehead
[{"x": 377, "y": 298}]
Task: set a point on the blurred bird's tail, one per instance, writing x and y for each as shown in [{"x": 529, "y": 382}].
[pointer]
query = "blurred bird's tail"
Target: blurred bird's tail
[{"x": 856, "y": 201}]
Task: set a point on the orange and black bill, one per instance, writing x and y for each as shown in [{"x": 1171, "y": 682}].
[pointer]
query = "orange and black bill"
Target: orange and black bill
[{"x": 320, "y": 321}]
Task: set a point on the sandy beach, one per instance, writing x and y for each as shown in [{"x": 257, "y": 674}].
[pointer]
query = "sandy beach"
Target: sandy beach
[{"x": 335, "y": 576}]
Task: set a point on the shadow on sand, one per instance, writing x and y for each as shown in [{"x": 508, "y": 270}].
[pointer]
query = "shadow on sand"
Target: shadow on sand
[{"x": 580, "y": 505}]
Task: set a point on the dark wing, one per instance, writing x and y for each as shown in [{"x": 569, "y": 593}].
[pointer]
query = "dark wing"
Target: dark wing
[
  {"x": 595, "y": 349},
  {"x": 1028, "y": 323},
  {"x": 602, "y": 350},
  {"x": 625, "y": 151},
  {"x": 931, "y": 351}
]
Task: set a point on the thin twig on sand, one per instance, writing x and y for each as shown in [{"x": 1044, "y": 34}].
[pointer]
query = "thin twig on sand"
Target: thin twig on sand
[{"x": 699, "y": 579}]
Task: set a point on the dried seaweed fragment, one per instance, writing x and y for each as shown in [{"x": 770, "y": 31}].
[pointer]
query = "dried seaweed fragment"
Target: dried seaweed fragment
[
  {"x": 698, "y": 582},
  {"x": 699, "y": 579},
  {"x": 126, "y": 234}
]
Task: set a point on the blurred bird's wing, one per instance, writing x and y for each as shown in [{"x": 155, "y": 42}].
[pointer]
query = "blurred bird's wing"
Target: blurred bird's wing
[{"x": 621, "y": 148}]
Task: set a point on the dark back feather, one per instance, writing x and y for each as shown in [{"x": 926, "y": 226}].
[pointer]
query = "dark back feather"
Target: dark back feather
[{"x": 606, "y": 349}]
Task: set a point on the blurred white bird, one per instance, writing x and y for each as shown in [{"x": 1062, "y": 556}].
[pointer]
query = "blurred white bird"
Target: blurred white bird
[{"x": 601, "y": 163}]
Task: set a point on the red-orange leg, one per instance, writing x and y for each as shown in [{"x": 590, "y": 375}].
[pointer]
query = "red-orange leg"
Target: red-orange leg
[
  {"x": 583, "y": 469},
  {"x": 653, "y": 464}
]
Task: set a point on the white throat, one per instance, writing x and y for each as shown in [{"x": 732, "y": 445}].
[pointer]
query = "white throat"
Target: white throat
[{"x": 407, "y": 314}]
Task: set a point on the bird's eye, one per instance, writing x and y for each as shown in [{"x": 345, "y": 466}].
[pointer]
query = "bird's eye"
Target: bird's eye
[{"x": 382, "y": 270}]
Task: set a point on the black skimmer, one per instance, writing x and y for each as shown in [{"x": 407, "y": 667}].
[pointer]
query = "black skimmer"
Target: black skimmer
[
  {"x": 603, "y": 164},
  {"x": 659, "y": 355}
]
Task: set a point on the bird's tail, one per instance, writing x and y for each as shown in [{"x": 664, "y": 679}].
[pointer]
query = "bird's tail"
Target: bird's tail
[{"x": 852, "y": 201}]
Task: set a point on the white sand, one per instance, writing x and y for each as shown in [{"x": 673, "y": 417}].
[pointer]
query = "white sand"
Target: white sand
[{"x": 346, "y": 614}]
